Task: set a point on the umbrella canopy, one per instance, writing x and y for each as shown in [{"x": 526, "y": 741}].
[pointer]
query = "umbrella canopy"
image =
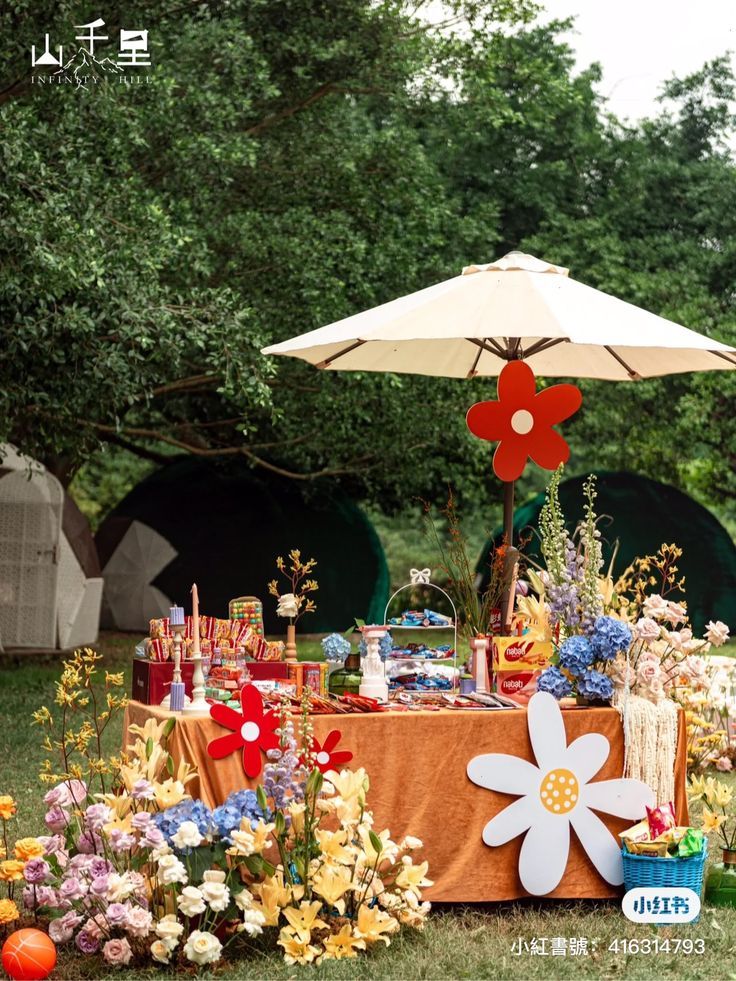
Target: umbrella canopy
[{"x": 518, "y": 307}]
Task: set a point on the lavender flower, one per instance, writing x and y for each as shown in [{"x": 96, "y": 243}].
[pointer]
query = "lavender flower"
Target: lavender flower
[
  {"x": 36, "y": 871},
  {"x": 142, "y": 790},
  {"x": 56, "y": 818},
  {"x": 121, "y": 841},
  {"x": 87, "y": 942},
  {"x": 96, "y": 816},
  {"x": 117, "y": 914}
]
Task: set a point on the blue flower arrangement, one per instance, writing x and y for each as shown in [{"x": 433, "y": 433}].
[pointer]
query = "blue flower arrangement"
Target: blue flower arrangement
[
  {"x": 170, "y": 820},
  {"x": 579, "y": 655},
  {"x": 610, "y": 637},
  {"x": 239, "y": 805},
  {"x": 595, "y": 685},
  {"x": 576, "y": 654},
  {"x": 555, "y": 682},
  {"x": 335, "y": 647}
]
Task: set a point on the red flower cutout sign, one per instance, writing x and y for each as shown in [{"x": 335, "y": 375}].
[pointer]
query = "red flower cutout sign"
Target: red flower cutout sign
[
  {"x": 324, "y": 758},
  {"x": 522, "y": 420},
  {"x": 253, "y": 730}
]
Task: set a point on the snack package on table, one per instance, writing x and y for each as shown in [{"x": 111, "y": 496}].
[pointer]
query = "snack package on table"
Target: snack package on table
[
  {"x": 517, "y": 685},
  {"x": 661, "y": 819}
]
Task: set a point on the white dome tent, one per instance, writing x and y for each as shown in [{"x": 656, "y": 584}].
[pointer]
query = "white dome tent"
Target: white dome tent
[{"x": 50, "y": 583}]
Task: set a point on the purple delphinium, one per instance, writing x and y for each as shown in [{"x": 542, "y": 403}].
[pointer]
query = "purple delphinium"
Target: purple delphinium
[{"x": 283, "y": 779}]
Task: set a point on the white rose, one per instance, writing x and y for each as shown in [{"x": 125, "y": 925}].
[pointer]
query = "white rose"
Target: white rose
[
  {"x": 215, "y": 893},
  {"x": 190, "y": 902},
  {"x": 253, "y": 921},
  {"x": 288, "y": 605},
  {"x": 203, "y": 947},
  {"x": 119, "y": 887},
  {"x": 168, "y": 928},
  {"x": 655, "y": 606},
  {"x": 243, "y": 899},
  {"x": 412, "y": 843},
  {"x": 244, "y": 842},
  {"x": 160, "y": 951},
  {"x": 171, "y": 870},
  {"x": 187, "y": 836}
]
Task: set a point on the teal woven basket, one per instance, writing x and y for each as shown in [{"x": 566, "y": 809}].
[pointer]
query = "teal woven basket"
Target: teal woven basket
[{"x": 682, "y": 873}]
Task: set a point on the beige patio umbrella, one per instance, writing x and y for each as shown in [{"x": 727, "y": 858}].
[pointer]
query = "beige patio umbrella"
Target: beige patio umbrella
[{"x": 516, "y": 307}]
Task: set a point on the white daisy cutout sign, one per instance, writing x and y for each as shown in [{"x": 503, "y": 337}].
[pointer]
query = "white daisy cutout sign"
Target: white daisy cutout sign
[{"x": 555, "y": 795}]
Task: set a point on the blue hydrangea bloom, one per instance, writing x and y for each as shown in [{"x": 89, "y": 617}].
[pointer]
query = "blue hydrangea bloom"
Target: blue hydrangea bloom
[
  {"x": 576, "y": 654},
  {"x": 384, "y": 648},
  {"x": 239, "y": 805},
  {"x": 170, "y": 820},
  {"x": 554, "y": 681},
  {"x": 610, "y": 637},
  {"x": 335, "y": 647},
  {"x": 595, "y": 685}
]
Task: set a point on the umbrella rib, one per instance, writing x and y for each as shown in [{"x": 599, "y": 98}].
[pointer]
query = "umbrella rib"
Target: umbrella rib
[
  {"x": 720, "y": 354},
  {"x": 545, "y": 344},
  {"x": 346, "y": 350},
  {"x": 633, "y": 375},
  {"x": 472, "y": 373},
  {"x": 490, "y": 345}
]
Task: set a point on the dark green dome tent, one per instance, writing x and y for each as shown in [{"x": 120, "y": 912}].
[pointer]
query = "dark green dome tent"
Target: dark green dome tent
[
  {"x": 642, "y": 514},
  {"x": 219, "y": 524}
]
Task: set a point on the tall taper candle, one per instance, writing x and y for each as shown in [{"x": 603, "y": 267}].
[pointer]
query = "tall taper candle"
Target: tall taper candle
[{"x": 195, "y": 620}]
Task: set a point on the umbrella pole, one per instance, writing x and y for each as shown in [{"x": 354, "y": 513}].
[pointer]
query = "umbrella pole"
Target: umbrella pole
[{"x": 512, "y": 556}]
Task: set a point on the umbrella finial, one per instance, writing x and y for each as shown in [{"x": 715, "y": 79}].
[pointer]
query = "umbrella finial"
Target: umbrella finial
[{"x": 518, "y": 262}]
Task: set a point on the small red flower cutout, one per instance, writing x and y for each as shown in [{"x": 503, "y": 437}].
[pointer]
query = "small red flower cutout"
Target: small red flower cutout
[
  {"x": 324, "y": 758},
  {"x": 522, "y": 420},
  {"x": 253, "y": 729}
]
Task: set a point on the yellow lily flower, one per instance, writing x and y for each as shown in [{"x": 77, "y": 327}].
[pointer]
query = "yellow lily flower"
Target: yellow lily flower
[
  {"x": 305, "y": 919},
  {"x": 342, "y": 944},
  {"x": 389, "y": 851},
  {"x": 296, "y": 950},
  {"x": 412, "y": 877},
  {"x": 373, "y": 924},
  {"x": 331, "y": 883},
  {"x": 332, "y": 844},
  {"x": 711, "y": 821},
  {"x": 722, "y": 794},
  {"x": 168, "y": 793},
  {"x": 536, "y": 616}
]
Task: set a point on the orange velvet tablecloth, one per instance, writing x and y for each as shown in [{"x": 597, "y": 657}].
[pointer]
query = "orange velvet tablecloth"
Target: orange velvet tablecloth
[{"x": 416, "y": 762}]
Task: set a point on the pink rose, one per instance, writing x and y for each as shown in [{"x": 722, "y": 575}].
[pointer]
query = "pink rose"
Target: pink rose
[
  {"x": 676, "y": 613},
  {"x": 724, "y": 764},
  {"x": 655, "y": 606},
  {"x": 139, "y": 922},
  {"x": 56, "y": 818},
  {"x": 62, "y": 929},
  {"x": 117, "y": 952},
  {"x": 646, "y": 629}
]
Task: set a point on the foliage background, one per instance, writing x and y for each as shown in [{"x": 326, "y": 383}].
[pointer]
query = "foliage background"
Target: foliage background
[{"x": 294, "y": 161}]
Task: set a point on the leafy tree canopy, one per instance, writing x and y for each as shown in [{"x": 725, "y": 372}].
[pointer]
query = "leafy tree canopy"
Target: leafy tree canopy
[{"x": 292, "y": 162}]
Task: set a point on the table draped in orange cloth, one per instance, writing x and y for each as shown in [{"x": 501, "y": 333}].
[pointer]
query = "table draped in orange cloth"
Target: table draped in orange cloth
[{"x": 416, "y": 762}]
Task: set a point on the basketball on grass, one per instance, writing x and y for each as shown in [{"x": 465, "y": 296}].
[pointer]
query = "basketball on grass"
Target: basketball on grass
[{"x": 29, "y": 955}]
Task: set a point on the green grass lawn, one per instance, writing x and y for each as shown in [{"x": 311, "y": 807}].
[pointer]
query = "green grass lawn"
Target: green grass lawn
[{"x": 478, "y": 942}]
